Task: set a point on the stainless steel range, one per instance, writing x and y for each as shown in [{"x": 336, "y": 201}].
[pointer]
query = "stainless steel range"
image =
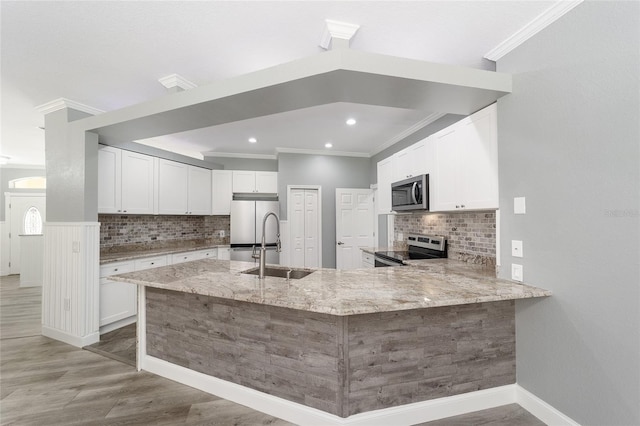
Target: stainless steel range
[{"x": 418, "y": 247}]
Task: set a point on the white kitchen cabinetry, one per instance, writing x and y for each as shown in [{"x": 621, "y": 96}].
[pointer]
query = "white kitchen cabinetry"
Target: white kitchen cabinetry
[
  {"x": 466, "y": 173},
  {"x": 221, "y": 192},
  {"x": 118, "y": 301},
  {"x": 368, "y": 260},
  {"x": 250, "y": 181},
  {"x": 182, "y": 189},
  {"x": 224, "y": 253},
  {"x": 412, "y": 161},
  {"x": 125, "y": 182},
  {"x": 199, "y": 198},
  {"x": 385, "y": 178},
  {"x": 188, "y": 256},
  {"x": 150, "y": 262}
]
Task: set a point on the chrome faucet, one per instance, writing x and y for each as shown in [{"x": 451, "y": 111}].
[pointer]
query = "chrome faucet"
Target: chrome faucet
[{"x": 263, "y": 247}]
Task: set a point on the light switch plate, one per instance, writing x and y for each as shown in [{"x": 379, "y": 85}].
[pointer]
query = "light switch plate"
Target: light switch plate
[
  {"x": 516, "y": 272},
  {"x": 516, "y": 248},
  {"x": 519, "y": 206}
]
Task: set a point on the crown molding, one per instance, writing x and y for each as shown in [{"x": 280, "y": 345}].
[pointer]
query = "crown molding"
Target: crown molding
[
  {"x": 22, "y": 166},
  {"x": 62, "y": 103},
  {"x": 212, "y": 155},
  {"x": 337, "y": 29},
  {"x": 411, "y": 130},
  {"x": 175, "y": 80},
  {"x": 539, "y": 23},
  {"x": 321, "y": 152}
]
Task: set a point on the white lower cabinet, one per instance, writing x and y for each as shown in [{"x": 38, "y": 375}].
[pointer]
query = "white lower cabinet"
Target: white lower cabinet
[
  {"x": 224, "y": 253},
  {"x": 368, "y": 260},
  {"x": 188, "y": 256},
  {"x": 118, "y": 301}
]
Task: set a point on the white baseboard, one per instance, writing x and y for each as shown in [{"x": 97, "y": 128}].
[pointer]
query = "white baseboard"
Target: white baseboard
[
  {"x": 77, "y": 341},
  {"x": 541, "y": 409},
  {"x": 303, "y": 415},
  {"x": 118, "y": 324}
]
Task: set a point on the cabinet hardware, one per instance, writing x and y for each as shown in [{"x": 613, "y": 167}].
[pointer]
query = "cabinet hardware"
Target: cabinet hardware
[
  {"x": 115, "y": 270},
  {"x": 462, "y": 206},
  {"x": 340, "y": 243}
]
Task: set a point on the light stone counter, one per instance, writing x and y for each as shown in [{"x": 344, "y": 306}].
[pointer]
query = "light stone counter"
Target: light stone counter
[
  {"x": 441, "y": 282},
  {"x": 138, "y": 252}
]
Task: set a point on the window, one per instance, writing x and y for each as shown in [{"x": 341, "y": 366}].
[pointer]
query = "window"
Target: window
[
  {"x": 32, "y": 221},
  {"x": 35, "y": 182}
]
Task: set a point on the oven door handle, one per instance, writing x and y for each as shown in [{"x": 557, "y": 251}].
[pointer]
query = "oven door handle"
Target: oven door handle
[
  {"x": 387, "y": 262},
  {"x": 413, "y": 192}
]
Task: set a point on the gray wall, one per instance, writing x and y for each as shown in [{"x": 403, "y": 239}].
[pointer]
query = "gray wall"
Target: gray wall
[
  {"x": 7, "y": 174},
  {"x": 161, "y": 153},
  {"x": 569, "y": 141},
  {"x": 330, "y": 172},
  {"x": 245, "y": 164}
]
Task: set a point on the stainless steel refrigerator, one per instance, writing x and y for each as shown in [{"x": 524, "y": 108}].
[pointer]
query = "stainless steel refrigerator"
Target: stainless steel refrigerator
[{"x": 246, "y": 229}]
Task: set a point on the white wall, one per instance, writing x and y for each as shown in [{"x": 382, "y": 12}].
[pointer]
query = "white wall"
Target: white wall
[{"x": 569, "y": 142}]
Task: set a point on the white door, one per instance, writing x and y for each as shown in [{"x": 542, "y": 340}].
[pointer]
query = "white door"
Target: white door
[
  {"x": 304, "y": 228},
  {"x": 27, "y": 214},
  {"x": 354, "y": 226}
]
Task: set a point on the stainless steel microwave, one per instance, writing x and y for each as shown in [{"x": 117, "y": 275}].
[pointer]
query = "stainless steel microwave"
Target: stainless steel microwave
[{"x": 410, "y": 194}]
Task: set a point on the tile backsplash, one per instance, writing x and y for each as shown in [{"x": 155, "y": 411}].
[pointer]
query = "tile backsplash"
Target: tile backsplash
[
  {"x": 471, "y": 236},
  {"x": 124, "y": 230}
]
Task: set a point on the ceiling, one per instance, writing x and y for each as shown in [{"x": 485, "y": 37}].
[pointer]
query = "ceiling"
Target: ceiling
[{"x": 109, "y": 55}]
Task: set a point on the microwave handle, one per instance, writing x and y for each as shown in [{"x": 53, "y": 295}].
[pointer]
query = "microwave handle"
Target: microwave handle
[{"x": 413, "y": 192}]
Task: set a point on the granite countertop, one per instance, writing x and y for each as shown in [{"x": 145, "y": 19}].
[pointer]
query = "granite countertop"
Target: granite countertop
[
  {"x": 132, "y": 252},
  {"x": 446, "y": 282}
]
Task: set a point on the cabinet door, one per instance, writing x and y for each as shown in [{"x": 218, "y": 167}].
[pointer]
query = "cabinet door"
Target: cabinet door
[
  {"x": 109, "y": 180},
  {"x": 222, "y": 192},
  {"x": 173, "y": 187},
  {"x": 244, "y": 181},
  {"x": 444, "y": 189},
  {"x": 479, "y": 176},
  {"x": 199, "y": 191},
  {"x": 267, "y": 182},
  {"x": 224, "y": 253},
  {"x": 137, "y": 183},
  {"x": 402, "y": 165},
  {"x": 417, "y": 160},
  {"x": 385, "y": 178},
  {"x": 117, "y": 301}
]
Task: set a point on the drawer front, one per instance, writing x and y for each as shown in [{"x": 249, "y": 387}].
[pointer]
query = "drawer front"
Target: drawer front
[
  {"x": 150, "y": 262},
  {"x": 184, "y": 257},
  {"x": 207, "y": 254},
  {"x": 115, "y": 268},
  {"x": 368, "y": 258}
]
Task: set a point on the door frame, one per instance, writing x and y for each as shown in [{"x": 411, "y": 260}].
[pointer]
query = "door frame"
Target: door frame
[
  {"x": 5, "y": 242},
  {"x": 313, "y": 187}
]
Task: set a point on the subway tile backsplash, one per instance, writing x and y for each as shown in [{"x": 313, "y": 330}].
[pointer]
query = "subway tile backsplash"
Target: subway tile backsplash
[
  {"x": 150, "y": 230},
  {"x": 471, "y": 235}
]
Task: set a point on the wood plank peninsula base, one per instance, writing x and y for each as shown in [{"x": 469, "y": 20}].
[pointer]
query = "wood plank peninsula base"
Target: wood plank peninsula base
[{"x": 340, "y": 364}]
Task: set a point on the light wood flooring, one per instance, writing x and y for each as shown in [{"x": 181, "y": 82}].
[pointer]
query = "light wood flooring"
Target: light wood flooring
[
  {"x": 46, "y": 382},
  {"x": 119, "y": 344}
]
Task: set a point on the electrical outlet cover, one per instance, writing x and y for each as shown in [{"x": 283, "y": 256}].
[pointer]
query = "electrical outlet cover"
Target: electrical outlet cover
[
  {"x": 516, "y": 248},
  {"x": 516, "y": 272}
]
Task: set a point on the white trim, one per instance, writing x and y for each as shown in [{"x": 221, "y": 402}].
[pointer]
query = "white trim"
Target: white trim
[
  {"x": 23, "y": 166},
  {"x": 141, "y": 329},
  {"x": 301, "y": 414},
  {"x": 175, "y": 80},
  {"x": 62, "y": 103},
  {"x": 117, "y": 324},
  {"x": 72, "y": 224},
  {"x": 337, "y": 29},
  {"x": 70, "y": 339},
  {"x": 319, "y": 189},
  {"x": 411, "y": 130},
  {"x": 541, "y": 409},
  {"x": 212, "y": 155},
  {"x": 281, "y": 150},
  {"x": 539, "y": 23}
]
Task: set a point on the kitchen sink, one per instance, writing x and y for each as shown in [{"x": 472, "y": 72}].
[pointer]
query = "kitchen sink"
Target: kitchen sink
[{"x": 271, "y": 271}]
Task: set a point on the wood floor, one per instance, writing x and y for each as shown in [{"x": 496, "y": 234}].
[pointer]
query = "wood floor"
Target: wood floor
[
  {"x": 119, "y": 344},
  {"x": 46, "y": 382}
]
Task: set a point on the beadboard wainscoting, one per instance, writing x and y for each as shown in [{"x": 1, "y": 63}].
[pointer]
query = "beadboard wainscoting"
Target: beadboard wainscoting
[
  {"x": 70, "y": 293},
  {"x": 471, "y": 236}
]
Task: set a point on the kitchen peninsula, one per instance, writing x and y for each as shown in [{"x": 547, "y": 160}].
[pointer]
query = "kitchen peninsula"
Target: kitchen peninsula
[{"x": 343, "y": 342}]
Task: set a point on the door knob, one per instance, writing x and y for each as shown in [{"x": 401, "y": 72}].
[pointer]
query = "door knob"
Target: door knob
[{"x": 340, "y": 243}]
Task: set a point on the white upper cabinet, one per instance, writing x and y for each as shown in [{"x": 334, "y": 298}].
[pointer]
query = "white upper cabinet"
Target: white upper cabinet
[
  {"x": 411, "y": 161},
  {"x": 466, "y": 176},
  {"x": 250, "y": 181},
  {"x": 199, "y": 199},
  {"x": 125, "y": 182},
  {"x": 109, "y": 180},
  {"x": 183, "y": 189},
  {"x": 137, "y": 183},
  {"x": 385, "y": 179},
  {"x": 221, "y": 192}
]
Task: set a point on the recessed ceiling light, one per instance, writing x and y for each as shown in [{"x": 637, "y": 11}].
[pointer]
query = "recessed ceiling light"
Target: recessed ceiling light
[
  {"x": 253, "y": 140},
  {"x": 351, "y": 121},
  {"x": 328, "y": 145}
]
